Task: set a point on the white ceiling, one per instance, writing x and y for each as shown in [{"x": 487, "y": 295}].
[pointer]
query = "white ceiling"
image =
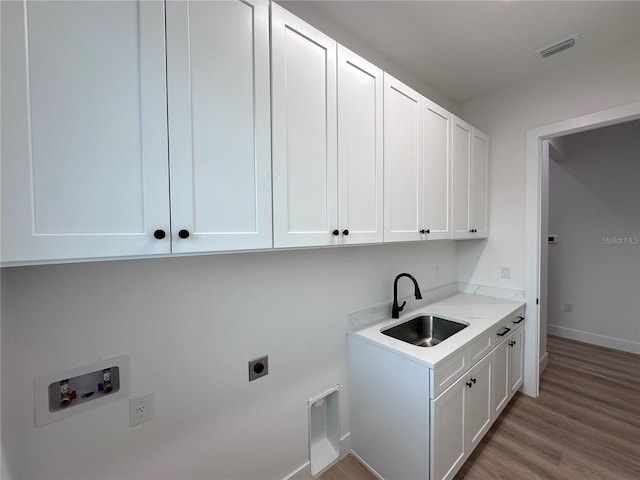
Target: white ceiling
[{"x": 467, "y": 49}]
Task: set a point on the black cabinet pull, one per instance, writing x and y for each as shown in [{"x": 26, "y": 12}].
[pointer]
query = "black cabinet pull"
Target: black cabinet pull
[
  {"x": 336, "y": 232},
  {"x": 506, "y": 330},
  {"x": 345, "y": 232},
  {"x": 428, "y": 230},
  {"x": 159, "y": 234},
  {"x": 519, "y": 320},
  {"x": 423, "y": 231},
  {"x": 512, "y": 343},
  {"x": 469, "y": 384},
  {"x": 473, "y": 380},
  {"x": 183, "y": 233}
]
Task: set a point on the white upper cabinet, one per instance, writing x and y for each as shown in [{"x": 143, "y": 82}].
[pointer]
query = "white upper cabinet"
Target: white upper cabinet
[
  {"x": 84, "y": 132},
  {"x": 417, "y": 166},
  {"x": 219, "y": 125},
  {"x": 436, "y": 172},
  {"x": 470, "y": 149},
  {"x": 479, "y": 183},
  {"x": 360, "y": 181},
  {"x": 403, "y": 162},
  {"x": 461, "y": 160},
  {"x": 304, "y": 133},
  {"x": 84, "y": 161}
]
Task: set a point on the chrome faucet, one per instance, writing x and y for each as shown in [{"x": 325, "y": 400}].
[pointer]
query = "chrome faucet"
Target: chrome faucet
[{"x": 395, "y": 311}]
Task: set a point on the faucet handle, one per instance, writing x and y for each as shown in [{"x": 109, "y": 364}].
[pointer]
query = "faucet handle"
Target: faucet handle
[{"x": 401, "y": 307}]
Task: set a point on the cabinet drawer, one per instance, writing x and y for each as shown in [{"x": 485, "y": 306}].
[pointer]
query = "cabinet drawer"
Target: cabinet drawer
[
  {"x": 447, "y": 372},
  {"x": 480, "y": 347},
  {"x": 501, "y": 331},
  {"x": 507, "y": 326},
  {"x": 517, "y": 319}
]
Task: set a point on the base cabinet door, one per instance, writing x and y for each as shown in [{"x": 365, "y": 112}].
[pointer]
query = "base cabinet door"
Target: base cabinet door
[
  {"x": 477, "y": 403},
  {"x": 500, "y": 378},
  {"x": 448, "y": 431},
  {"x": 84, "y": 130},
  {"x": 516, "y": 352}
]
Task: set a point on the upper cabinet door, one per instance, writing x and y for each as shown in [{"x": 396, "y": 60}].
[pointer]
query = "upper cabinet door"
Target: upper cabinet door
[
  {"x": 437, "y": 172},
  {"x": 478, "y": 184},
  {"x": 402, "y": 161},
  {"x": 359, "y": 149},
  {"x": 304, "y": 133},
  {"x": 84, "y": 133},
  {"x": 461, "y": 170},
  {"x": 219, "y": 125}
]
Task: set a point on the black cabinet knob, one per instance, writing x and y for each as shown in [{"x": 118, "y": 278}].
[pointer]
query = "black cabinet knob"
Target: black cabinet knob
[
  {"x": 159, "y": 234},
  {"x": 473, "y": 380},
  {"x": 345, "y": 232},
  {"x": 428, "y": 230},
  {"x": 423, "y": 231},
  {"x": 469, "y": 384},
  {"x": 183, "y": 233},
  {"x": 336, "y": 232}
]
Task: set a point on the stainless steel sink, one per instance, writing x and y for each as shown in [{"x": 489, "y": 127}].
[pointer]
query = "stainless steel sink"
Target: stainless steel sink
[{"x": 425, "y": 330}]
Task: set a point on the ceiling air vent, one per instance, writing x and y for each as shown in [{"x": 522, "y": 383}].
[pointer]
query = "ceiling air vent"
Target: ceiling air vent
[{"x": 560, "y": 46}]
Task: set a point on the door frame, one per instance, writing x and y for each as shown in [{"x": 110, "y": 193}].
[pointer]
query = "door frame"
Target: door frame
[{"x": 535, "y": 360}]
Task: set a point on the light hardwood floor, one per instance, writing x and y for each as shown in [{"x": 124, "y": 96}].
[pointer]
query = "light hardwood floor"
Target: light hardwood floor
[{"x": 585, "y": 425}]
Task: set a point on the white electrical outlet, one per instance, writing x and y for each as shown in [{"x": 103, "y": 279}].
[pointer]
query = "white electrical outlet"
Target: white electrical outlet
[
  {"x": 505, "y": 273},
  {"x": 140, "y": 408}
]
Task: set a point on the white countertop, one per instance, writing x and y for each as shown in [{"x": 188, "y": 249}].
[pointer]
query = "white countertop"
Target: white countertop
[{"x": 479, "y": 311}]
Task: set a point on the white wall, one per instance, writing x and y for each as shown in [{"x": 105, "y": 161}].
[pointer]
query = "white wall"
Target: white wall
[
  {"x": 190, "y": 325},
  {"x": 594, "y": 208},
  {"x": 597, "y": 83}
]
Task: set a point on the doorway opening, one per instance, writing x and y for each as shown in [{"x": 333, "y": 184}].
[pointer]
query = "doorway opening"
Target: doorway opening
[{"x": 536, "y": 207}]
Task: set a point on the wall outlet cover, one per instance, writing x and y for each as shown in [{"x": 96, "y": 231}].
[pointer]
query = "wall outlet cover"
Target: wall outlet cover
[
  {"x": 505, "y": 273},
  {"x": 140, "y": 408}
]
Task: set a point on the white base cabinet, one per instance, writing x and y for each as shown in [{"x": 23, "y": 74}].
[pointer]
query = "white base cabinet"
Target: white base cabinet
[
  {"x": 460, "y": 417},
  {"x": 411, "y": 421}
]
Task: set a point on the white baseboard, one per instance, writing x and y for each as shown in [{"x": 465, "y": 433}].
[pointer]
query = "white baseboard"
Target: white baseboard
[
  {"x": 594, "y": 339},
  {"x": 345, "y": 445},
  {"x": 544, "y": 361},
  {"x": 366, "y": 465},
  {"x": 301, "y": 473}
]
